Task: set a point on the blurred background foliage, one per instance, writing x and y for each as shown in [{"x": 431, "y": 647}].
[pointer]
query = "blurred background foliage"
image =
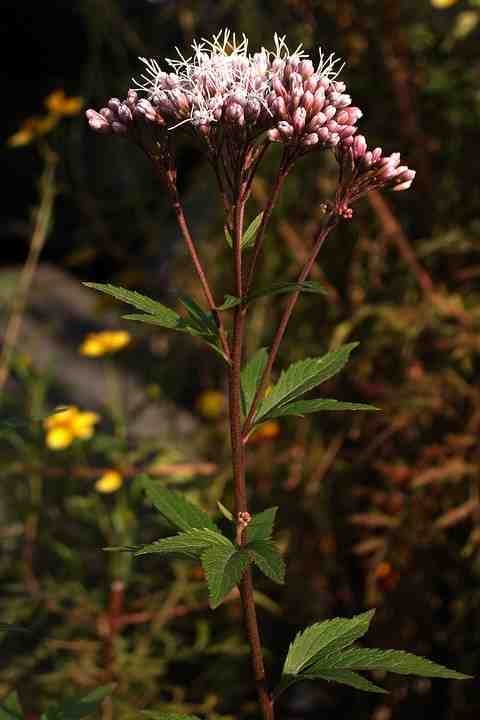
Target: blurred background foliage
[{"x": 375, "y": 509}]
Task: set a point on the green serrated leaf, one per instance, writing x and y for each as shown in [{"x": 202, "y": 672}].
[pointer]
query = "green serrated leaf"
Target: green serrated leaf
[
  {"x": 303, "y": 376},
  {"x": 345, "y": 677},
  {"x": 303, "y": 407},
  {"x": 250, "y": 378},
  {"x": 248, "y": 236},
  {"x": 229, "y": 301},
  {"x": 10, "y": 708},
  {"x": 139, "y": 301},
  {"x": 178, "y": 324},
  {"x": 175, "y": 508},
  {"x": 260, "y": 526},
  {"x": 396, "y": 661},
  {"x": 223, "y": 568},
  {"x": 308, "y": 286},
  {"x": 225, "y": 511},
  {"x": 268, "y": 559},
  {"x": 190, "y": 543},
  {"x": 77, "y": 708},
  {"x": 203, "y": 321},
  {"x": 324, "y": 639}
]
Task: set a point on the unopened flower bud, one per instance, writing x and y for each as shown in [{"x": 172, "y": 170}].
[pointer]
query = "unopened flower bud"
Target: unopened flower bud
[
  {"x": 124, "y": 114},
  {"x": 108, "y": 114},
  {"x": 317, "y": 121},
  {"x": 274, "y": 135},
  {"x": 299, "y": 117},
  {"x": 330, "y": 111},
  {"x": 114, "y": 104},
  {"x": 307, "y": 100},
  {"x": 279, "y": 88},
  {"x": 306, "y": 69},
  {"x": 359, "y": 146},
  {"x": 310, "y": 139},
  {"x": 97, "y": 122},
  {"x": 311, "y": 84},
  {"x": 376, "y": 155},
  {"x": 279, "y": 107},
  {"x": 323, "y": 134},
  {"x": 319, "y": 101}
]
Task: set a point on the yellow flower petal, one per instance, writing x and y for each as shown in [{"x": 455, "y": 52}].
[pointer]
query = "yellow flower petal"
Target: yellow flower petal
[
  {"x": 100, "y": 343},
  {"x": 109, "y": 482},
  {"x": 59, "y": 438},
  {"x": 61, "y": 418},
  {"x": 211, "y": 404},
  {"x": 267, "y": 431},
  {"x": 82, "y": 424},
  {"x": 443, "y": 3},
  {"x": 59, "y": 104},
  {"x": 91, "y": 347}
]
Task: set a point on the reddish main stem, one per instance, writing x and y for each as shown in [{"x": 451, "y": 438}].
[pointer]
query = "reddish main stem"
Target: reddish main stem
[{"x": 238, "y": 464}]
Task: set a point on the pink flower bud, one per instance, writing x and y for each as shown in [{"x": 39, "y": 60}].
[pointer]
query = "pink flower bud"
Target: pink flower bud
[
  {"x": 279, "y": 107},
  {"x": 330, "y": 111},
  {"x": 323, "y": 134},
  {"x": 354, "y": 114},
  {"x": 299, "y": 117},
  {"x": 310, "y": 140},
  {"x": 311, "y": 84},
  {"x": 114, "y": 104},
  {"x": 97, "y": 122},
  {"x": 279, "y": 88},
  {"x": 274, "y": 135},
  {"x": 359, "y": 146},
  {"x": 376, "y": 155},
  {"x": 317, "y": 121},
  {"x": 343, "y": 117},
  {"x": 306, "y": 69},
  {"x": 319, "y": 101},
  {"x": 307, "y": 100},
  {"x": 107, "y": 114}
]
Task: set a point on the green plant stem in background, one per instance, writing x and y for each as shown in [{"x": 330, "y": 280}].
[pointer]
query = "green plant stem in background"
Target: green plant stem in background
[{"x": 43, "y": 219}]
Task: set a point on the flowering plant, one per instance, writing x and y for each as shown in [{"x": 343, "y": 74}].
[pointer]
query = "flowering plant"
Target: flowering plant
[{"x": 237, "y": 106}]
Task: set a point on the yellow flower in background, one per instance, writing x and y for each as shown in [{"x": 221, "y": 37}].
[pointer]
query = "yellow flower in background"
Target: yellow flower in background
[
  {"x": 101, "y": 343},
  {"x": 32, "y": 128},
  {"x": 267, "y": 431},
  {"x": 110, "y": 482},
  {"x": 58, "y": 103},
  {"x": 211, "y": 404},
  {"x": 443, "y": 3},
  {"x": 64, "y": 426}
]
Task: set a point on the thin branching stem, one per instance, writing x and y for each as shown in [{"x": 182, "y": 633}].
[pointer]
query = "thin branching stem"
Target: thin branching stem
[
  {"x": 187, "y": 236},
  {"x": 276, "y": 189},
  {"x": 319, "y": 239}
]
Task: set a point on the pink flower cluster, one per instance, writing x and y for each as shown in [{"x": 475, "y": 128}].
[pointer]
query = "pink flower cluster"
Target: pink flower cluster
[
  {"x": 222, "y": 92},
  {"x": 364, "y": 170},
  {"x": 119, "y": 116},
  {"x": 310, "y": 109}
]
